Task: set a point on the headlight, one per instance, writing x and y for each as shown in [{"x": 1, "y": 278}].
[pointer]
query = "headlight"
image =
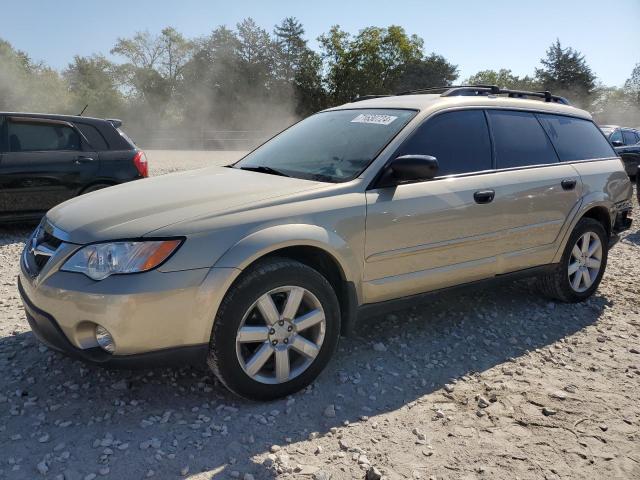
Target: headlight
[{"x": 100, "y": 260}]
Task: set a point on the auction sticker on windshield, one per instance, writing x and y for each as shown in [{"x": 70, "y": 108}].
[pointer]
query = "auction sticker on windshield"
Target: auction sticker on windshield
[{"x": 374, "y": 118}]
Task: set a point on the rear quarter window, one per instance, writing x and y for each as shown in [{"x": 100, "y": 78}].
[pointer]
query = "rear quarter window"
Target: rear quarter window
[
  {"x": 576, "y": 138},
  {"x": 95, "y": 138}
]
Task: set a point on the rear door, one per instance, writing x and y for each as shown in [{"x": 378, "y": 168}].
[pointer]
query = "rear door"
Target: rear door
[
  {"x": 534, "y": 191},
  {"x": 46, "y": 163}
]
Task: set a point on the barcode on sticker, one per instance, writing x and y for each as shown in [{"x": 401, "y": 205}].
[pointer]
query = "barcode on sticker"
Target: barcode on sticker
[{"x": 374, "y": 118}]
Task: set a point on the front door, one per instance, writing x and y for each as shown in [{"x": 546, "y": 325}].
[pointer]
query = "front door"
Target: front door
[{"x": 432, "y": 234}]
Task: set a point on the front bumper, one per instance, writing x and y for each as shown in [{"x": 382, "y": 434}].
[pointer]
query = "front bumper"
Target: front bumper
[
  {"x": 48, "y": 331},
  {"x": 155, "y": 318}
]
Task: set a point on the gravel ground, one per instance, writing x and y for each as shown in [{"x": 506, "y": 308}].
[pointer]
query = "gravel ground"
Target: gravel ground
[{"x": 489, "y": 383}]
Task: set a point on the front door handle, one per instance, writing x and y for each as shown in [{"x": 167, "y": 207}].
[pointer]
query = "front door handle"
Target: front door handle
[
  {"x": 568, "y": 184},
  {"x": 484, "y": 196},
  {"x": 84, "y": 160}
]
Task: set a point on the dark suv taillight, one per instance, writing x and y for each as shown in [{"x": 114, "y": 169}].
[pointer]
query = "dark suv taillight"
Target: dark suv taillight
[{"x": 140, "y": 161}]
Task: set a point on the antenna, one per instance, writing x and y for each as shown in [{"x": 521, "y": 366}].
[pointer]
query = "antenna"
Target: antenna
[{"x": 85, "y": 107}]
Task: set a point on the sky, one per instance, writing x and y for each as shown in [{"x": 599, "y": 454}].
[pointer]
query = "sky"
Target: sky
[{"x": 474, "y": 35}]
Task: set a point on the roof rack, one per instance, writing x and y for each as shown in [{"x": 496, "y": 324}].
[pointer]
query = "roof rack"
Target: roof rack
[
  {"x": 473, "y": 90},
  {"x": 360, "y": 98}
]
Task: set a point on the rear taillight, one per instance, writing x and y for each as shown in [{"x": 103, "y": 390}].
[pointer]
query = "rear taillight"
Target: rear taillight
[{"x": 140, "y": 161}]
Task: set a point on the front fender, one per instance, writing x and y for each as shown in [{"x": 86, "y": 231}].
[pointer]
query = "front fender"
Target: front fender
[{"x": 270, "y": 239}]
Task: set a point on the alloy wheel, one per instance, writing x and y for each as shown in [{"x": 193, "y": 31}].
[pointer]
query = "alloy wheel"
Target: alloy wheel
[
  {"x": 585, "y": 262},
  {"x": 280, "y": 335}
]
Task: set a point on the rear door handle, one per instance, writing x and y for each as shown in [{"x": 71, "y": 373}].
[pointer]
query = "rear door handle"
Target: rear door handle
[
  {"x": 484, "y": 196},
  {"x": 84, "y": 160},
  {"x": 568, "y": 184}
]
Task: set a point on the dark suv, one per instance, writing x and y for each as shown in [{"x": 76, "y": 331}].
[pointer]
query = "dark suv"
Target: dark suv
[
  {"x": 47, "y": 159},
  {"x": 625, "y": 141}
]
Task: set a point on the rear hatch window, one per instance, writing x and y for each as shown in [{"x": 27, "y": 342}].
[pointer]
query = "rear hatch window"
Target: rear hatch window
[{"x": 126, "y": 138}]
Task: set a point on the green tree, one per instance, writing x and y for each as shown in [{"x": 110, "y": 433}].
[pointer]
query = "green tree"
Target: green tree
[
  {"x": 372, "y": 62},
  {"x": 432, "y": 71},
  {"x": 92, "y": 81},
  {"x": 619, "y": 106},
  {"x": 256, "y": 52},
  {"x": 154, "y": 68},
  {"x": 565, "y": 72},
  {"x": 30, "y": 86},
  {"x": 504, "y": 78},
  {"x": 211, "y": 79},
  {"x": 632, "y": 85},
  {"x": 289, "y": 38},
  {"x": 299, "y": 67}
]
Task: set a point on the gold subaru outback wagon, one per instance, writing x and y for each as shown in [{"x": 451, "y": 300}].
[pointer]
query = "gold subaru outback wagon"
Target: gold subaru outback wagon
[{"x": 255, "y": 269}]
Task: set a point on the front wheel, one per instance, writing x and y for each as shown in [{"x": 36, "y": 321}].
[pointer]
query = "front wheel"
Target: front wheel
[
  {"x": 583, "y": 263},
  {"x": 275, "y": 330}
]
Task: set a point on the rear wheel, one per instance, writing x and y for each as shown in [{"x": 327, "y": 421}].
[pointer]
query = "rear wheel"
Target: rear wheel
[
  {"x": 275, "y": 330},
  {"x": 583, "y": 263}
]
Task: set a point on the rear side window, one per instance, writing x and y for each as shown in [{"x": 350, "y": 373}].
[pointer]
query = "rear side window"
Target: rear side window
[
  {"x": 25, "y": 136},
  {"x": 459, "y": 140},
  {"x": 629, "y": 137},
  {"x": 575, "y": 138},
  {"x": 95, "y": 138},
  {"x": 616, "y": 136},
  {"x": 126, "y": 137},
  {"x": 519, "y": 140}
]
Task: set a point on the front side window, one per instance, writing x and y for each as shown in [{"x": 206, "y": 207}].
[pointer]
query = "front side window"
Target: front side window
[
  {"x": 459, "y": 140},
  {"x": 629, "y": 137},
  {"x": 333, "y": 146},
  {"x": 25, "y": 136},
  {"x": 576, "y": 138},
  {"x": 519, "y": 140}
]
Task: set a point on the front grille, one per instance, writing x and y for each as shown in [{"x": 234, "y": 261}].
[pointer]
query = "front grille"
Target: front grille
[
  {"x": 51, "y": 241},
  {"x": 41, "y": 261},
  {"x": 41, "y": 247}
]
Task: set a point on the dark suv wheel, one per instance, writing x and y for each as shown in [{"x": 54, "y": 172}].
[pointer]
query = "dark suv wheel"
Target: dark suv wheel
[
  {"x": 583, "y": 262},
  {"x": 275, "y": 330}
]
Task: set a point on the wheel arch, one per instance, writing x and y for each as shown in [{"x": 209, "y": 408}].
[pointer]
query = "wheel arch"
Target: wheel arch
[
  {"x": 598, "y": 210},
  {"x": 600, "y": 214},
  {"x": 311, "y": 245},
  {"x": 107, "y": 183}
]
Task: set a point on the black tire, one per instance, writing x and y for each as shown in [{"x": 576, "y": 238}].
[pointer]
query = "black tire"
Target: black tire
[
  {"x": 257, "y": 280},
  {"x": 556, "y": 284},
  {"x": 93, "y": 188}
]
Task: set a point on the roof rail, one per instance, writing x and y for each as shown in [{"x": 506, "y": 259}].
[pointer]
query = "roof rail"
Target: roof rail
[{"x": 472, "y": 90}]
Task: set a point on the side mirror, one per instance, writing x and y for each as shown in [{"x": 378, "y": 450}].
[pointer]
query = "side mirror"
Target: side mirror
[
  {"x": 617, "y": 143},
  {"x": 408, "y": 168}
]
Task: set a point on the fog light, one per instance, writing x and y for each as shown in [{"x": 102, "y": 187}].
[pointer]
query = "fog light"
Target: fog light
[{"x": 104, "y": 339}]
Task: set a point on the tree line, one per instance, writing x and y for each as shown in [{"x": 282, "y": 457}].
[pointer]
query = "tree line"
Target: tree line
[{"x": 249, "y": 78}]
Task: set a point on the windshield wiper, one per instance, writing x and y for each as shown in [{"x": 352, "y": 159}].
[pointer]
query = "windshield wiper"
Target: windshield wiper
[{"x": 264, "y": 169}]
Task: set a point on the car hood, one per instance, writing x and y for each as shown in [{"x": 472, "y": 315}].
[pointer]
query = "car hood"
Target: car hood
[{"x": 134, "y": 209}]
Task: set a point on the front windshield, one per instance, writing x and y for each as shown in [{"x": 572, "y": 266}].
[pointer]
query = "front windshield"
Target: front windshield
[{"x": 333, "y": 146}]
